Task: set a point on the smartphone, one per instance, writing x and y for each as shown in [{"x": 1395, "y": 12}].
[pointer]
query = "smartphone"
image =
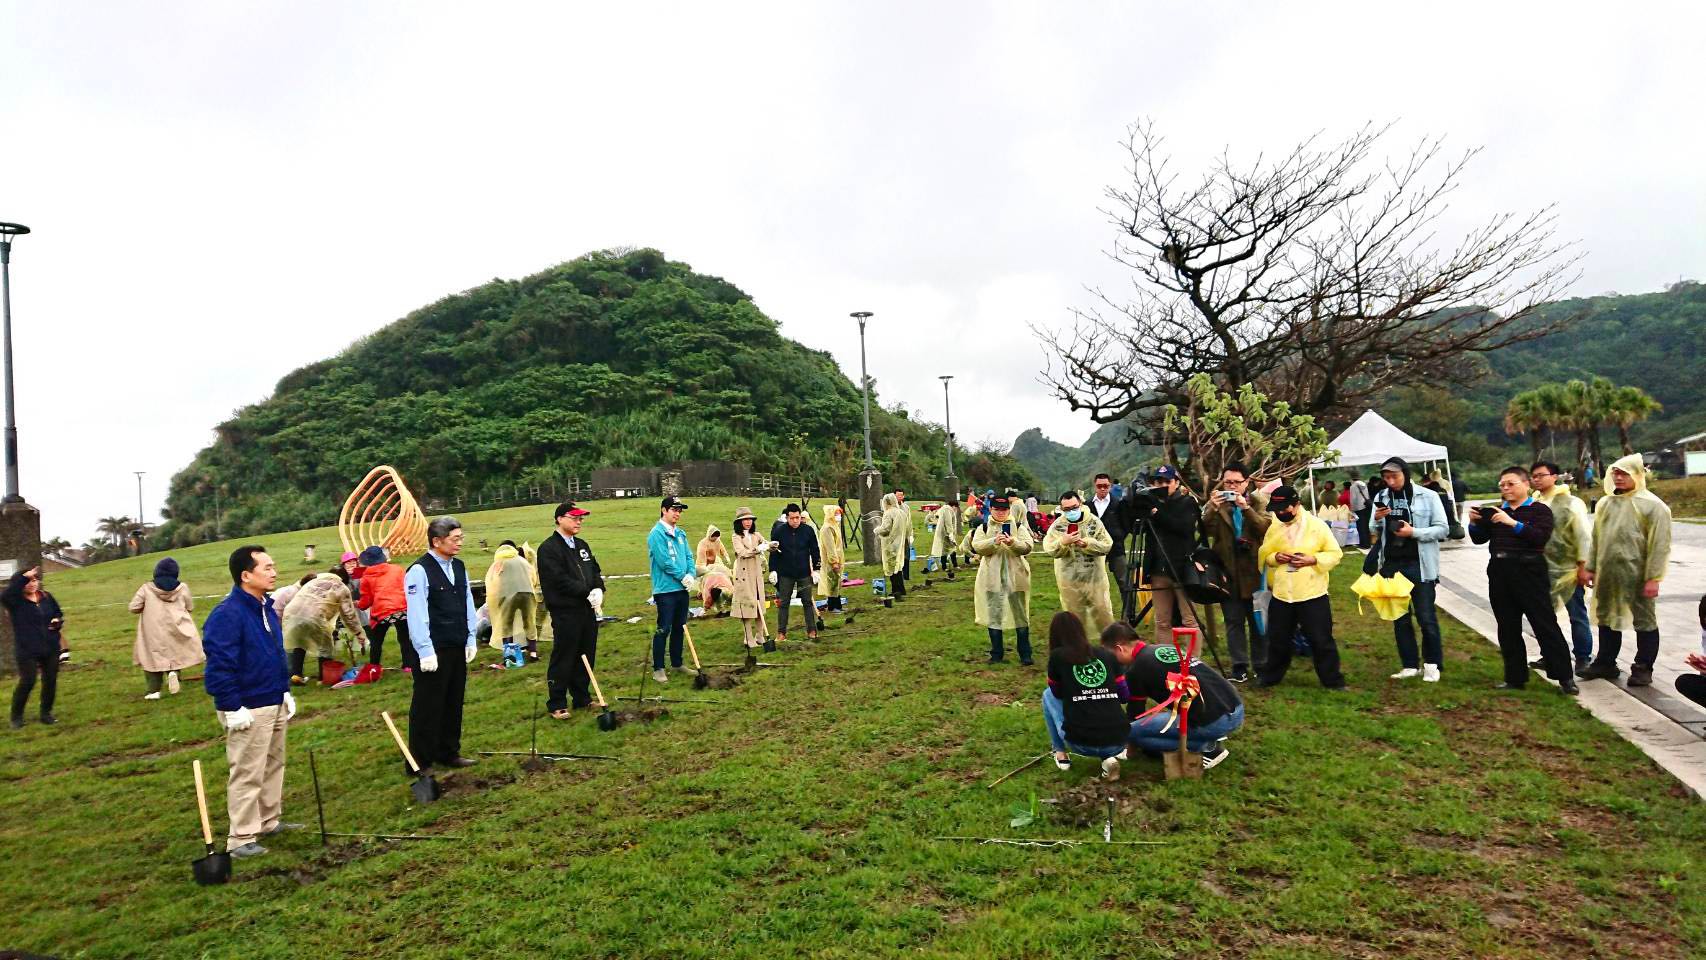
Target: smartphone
[
  {"x": 1007, "y": 528},
  {"x": 1071, "y": 529}
]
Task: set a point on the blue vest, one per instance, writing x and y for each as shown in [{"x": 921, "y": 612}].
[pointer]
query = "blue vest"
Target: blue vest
[{"x": 447, "y": 603}]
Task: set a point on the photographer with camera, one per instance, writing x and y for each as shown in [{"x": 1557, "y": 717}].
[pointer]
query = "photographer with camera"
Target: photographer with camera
[
  {"x": 1407, "y": 525},
  {"x": 1516, "y": 531},
  {"x": 1235, "y": 530},
  {"x": 1167, "y": 517}
]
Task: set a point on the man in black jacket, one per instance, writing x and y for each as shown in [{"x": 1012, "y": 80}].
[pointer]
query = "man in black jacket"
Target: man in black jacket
[
  {"x": 573, "y": 587},
  {"x": 1172, "y": 514},
  {"x": 1111, "y": 513},
  {"x": 796, "y": 565}
]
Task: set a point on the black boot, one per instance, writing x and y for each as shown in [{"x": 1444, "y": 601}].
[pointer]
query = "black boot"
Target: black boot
[
  {"x": 1025, "y": 646},
  {"x": 997, "y": 650},
  {"x": 297, "y": 659}
]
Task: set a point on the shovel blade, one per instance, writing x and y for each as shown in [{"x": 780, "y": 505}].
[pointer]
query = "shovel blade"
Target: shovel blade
[
  {"x": 701, "y": 681},
  {"x": 425, "y": 789},
  {"x": 212, "y": 870},
  {"x": 607, "y": 721},
  {"x": 1182, "y": 765}
]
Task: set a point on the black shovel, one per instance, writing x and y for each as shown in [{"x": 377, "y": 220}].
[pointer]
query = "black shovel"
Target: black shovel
[
  {"x": 607, "y": 720},
  {"x": 425, "y": 788},
  {"x": 700, "y": 681},
  {"x": 213, "y": 868}
]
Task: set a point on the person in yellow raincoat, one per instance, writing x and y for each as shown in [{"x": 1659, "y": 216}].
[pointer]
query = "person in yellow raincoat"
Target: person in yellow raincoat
[
  {"x": 312, "y": 616},
  {"x": 1567, "y": 554},
  {"x": 1631, "y": 548},
  {"x": 511, "y": 602},
  {"x": 541, "y": 616},
  {"x": 747, "y": 604},
  {"x": 1298, "y": 553},
  {"x": 833, "y": 551},
  {"x": 1002, "y": 594},
  {"x": 1079, "y": 544},
  {"x": 945, "y": 545},
  {"x": 716, "y": 576},
  {"x": 894, "y": 533}
]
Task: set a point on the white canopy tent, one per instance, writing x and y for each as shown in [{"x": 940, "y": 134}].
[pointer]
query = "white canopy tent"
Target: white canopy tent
[{"x": 1373, "y": 439}]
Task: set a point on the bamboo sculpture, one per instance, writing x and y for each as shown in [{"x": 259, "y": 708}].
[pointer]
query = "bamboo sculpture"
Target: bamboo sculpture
[{"x": 381, "y": 511}]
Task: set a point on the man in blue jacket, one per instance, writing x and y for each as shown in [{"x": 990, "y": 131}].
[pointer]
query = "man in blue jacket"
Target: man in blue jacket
[
  {"x": 672, "y": 578},
  {"x": 1406, "y": 527},
  {"x": 249, "y": 680}
]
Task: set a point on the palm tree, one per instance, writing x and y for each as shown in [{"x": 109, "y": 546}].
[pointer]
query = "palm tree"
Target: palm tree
[
  {"x": 1526, "y": 413},
  {"x": 1602, "y": 403},
  {"x": 1577, "y": 414},
  {"x": 116, "y": 530},
  {"x": 55, "y": 545},
  {"x": 1629, "y": 406}
]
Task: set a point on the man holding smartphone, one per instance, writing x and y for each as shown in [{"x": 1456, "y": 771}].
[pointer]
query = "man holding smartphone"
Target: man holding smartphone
[
  {"x": 1516, "y": 531},
  {"x": 1235, "y": 527},
  {"x": 1079, "y": 544},
  {"x": 1298, "y": 553},
  {"x": 1408, "y": 523},
  {"x": 1002, "y": 595}
]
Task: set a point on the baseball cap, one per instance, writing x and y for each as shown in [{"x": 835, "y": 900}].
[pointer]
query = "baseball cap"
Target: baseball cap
[
  {"x": 1167, "y": 472},
  {"x": 568, "y": 507},
  {"x": 670, "y": 503},
  {"x": 1283, "y": 496},
  {"x": 1000, "y": 502}
]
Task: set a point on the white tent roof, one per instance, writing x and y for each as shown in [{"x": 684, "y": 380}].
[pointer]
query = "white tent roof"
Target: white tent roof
[{"x": 1372, "y": 440}]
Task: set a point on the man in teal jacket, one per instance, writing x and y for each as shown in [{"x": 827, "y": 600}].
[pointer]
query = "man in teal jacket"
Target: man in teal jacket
[{"x": 672, "y": 579}]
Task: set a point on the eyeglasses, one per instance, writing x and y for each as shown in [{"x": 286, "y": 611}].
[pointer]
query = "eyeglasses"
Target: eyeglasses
[
  {"x": 1104, "y": 486},
  {"x": 1232, "y": 484},
  {"x": 1540, "y": 476}
]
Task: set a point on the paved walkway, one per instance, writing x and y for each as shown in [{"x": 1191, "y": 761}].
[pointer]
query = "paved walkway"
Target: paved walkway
[{"x": 1667, "y": 727}]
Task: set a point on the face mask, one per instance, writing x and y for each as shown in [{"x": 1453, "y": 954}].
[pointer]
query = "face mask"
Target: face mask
[
  {"x": 1075, "y": 514},
  {"x": 1285, "y": 516}
]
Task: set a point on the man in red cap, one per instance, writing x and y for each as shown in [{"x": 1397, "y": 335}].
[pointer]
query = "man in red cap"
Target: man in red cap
[{"x": 573, "y": 586}]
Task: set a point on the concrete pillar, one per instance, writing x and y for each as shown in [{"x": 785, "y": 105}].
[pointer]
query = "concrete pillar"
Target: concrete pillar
[
  {"x": 20, "y": 549},
  {"x": 669, "y": 483},
  {"x": 953, "y": 489},
  {"x": 870, "y": 483}
]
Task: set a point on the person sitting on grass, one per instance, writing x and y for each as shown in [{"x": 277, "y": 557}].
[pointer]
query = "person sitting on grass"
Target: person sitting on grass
[
  {"x": 1215, "y": 713},
  {"x": 1081, "y": 705}
]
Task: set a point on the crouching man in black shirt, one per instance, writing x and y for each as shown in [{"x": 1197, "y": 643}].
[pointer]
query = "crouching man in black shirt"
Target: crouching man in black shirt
[{"x": 1215, "y": 714}]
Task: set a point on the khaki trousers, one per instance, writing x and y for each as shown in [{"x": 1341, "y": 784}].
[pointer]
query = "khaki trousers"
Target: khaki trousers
[
  {"x": 254, "y": 793},
  {"x": 1167, "y": 597}
]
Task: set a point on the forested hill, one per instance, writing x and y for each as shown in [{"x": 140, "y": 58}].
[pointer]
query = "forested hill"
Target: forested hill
[
  {"x": 612, "y": 359},
  {"x": 1650, "y": 340}
]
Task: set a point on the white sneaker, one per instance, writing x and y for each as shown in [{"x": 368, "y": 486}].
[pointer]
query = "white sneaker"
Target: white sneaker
[
  {"x": 151, "y": 696},
  {"x": 1063, "y": 765},
  {"x": 172, "y": 685},
  {"x": 1430, "y": 672},
  {"x": 660, "y": 676},
  {"x": 1406, "y": 673},
  {"x": 1111, "y": 769}
]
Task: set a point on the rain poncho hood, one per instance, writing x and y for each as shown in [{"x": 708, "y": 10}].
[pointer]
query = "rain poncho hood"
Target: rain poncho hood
[
  {"x": 1081, "y": 572},
  {"x": 1631, "y": 545},
  {"x": 710, "y": 551},
  {"x": 829, "y": 542}
]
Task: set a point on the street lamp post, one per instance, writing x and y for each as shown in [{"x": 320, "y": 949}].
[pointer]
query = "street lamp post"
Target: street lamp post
[
  {"x": 948, "y": 422},
  {"x": 139, "y": 521},
  {"x": 870, "y": 479},
  {"x": 20, "y": 523}
]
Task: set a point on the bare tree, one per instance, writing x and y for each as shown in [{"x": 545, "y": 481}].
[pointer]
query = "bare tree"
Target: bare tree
[{"x": 1317, "y": 278}]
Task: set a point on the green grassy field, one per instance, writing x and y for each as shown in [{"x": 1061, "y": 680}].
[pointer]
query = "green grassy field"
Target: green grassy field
[{"x": 796, "y": 818}]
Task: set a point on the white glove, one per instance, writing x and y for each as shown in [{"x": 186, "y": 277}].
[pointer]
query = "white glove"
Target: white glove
[
  {"x": 772, "y": 578},
  {"x": 817, "y": 578},
  {"x": 429, "y": 663},
  {"x": 238, "y": 719},
  {"x": 289, "y": 706},
  {"x": 468, "y": 653},
  {"x": 690, "y": 582},
  {"x": 595, "y": 597}
]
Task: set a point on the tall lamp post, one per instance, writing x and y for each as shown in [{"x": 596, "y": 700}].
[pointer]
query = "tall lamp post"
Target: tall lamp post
[
  {"x": 948, "y": 421},
  {"x": 870, "y": 479},
  {"x": 20, "y": 523}
]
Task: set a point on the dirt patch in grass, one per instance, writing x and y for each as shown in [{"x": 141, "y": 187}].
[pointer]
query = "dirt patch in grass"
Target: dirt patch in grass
[{"x": 642, "y": 715}]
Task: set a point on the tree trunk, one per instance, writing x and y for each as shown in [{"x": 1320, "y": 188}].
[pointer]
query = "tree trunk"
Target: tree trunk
[
  {"x": 1582, "y": 451},
  {"x": 1623, "y": 438},
  {"x": 1593, "y": 437},
  {"x": 1534, "y": 441}
]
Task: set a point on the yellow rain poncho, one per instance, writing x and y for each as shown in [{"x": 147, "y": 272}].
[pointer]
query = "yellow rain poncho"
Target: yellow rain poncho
[
  {"x": 1631, "y": 545},
  {"x": 1081, "y": 569},
  {"x": 894, "y": 532},
  {"x": 831, "y": 550},
  {"x": 1389, "y": 595},
  {"x": 1572, "y": 540},
  {"x": 1002, "y": 593},
  {"x": 715, "y": 567},
  {"x": 510, "y": 596},
  {"x": 948, "y": 532}
]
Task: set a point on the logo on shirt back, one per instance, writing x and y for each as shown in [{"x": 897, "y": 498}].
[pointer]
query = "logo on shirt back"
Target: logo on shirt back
[
  {"x": 1166, "y": 654},
  {"x": 1092, "y": 674}
]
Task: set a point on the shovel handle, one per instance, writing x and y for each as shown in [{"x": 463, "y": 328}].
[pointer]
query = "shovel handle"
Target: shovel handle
[
  {"x": 201, "y": 805},
  {"x": 400, "y": 744},
  {"x": 594, "y": 678},
  {"x": 688, "y": 636}
]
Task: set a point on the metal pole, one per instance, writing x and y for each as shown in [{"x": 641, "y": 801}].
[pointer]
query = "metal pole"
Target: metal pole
[
  {"x": 864, "y": 378},
  {"x": 7, "y": 231},
  {"x": 139, "y": 520},
  {"x": 948, "y": 416}
]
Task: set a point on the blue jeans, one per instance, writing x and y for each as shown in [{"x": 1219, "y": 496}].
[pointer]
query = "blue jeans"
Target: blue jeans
[
  {"x": 1054, "y": 717},
  {"x": 672, "y": 624},
  {"x": 1581, "y": 628},
  {"x": 1147, "y": 734},
  {"x": 1421, "y": 609}
]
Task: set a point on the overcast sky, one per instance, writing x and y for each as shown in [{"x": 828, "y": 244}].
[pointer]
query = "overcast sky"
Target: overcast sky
[{"x": 223, "y": 192}]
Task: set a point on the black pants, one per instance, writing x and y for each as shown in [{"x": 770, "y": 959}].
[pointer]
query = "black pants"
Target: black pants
[
  {"x": 787, "y": 588},
  {"x": 376, "y": 641},
  {"x": 435, "y": 712},
  {"x": 29, "y": 665},
  {"x": 1520, "y": 587},
  {"x": 1364, "y": 535},
  {"x": 1646, "y": 646},
  {"x": 1692, "y": 686},
  {"x": 1315, "y": 619},
  {"x": 574, "y": 631}
]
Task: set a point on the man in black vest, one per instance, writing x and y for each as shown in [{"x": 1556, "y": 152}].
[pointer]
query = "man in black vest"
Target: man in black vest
[
  {"x": 573, "y": 586},
  {"x": 441, "y": 628}
]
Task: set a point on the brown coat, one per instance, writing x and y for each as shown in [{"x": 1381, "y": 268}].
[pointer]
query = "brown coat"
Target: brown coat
[
  {"x": 166, "y": 636},
  {"x": 1240, "y": 564}
]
